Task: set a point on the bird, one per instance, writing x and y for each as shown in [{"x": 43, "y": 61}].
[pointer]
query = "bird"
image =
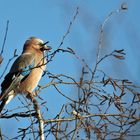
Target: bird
[{"x": 25, "y": 72}]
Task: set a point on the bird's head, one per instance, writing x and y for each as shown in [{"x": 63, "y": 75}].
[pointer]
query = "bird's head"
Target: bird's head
[{"x": 36, "y": 44}]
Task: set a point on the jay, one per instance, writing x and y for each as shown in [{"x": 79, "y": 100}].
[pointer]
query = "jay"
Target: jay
[{"x": 25, "y": 72}]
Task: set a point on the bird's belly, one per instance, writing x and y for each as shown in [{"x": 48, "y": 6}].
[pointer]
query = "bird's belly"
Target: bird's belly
[{"x": 30, "y": 83}]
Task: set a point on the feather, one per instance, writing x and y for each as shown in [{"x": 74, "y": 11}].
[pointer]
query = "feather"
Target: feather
[{"x": 20, "y": 69}]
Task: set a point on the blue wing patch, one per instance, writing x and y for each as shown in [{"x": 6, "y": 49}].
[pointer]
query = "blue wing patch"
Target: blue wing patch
[{"x": 26, "y": 71}]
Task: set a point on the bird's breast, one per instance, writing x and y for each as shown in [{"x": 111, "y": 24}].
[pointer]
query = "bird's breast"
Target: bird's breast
[{"x": 32, "y": 80}]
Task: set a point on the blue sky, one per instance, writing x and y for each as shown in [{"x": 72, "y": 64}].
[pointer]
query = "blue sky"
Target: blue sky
[{"x": 49, "y": 20}]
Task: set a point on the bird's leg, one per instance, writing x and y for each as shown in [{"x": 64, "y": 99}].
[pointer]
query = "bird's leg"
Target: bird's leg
[
  {"x": 30, "y": 95},
  {"x": 36, "y": 93}
]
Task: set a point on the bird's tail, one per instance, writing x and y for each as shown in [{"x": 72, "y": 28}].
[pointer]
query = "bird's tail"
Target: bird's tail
[{"x": 6, "y": 99}]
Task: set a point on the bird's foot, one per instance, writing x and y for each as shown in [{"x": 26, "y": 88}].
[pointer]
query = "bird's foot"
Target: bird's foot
[{"x": 30, "y": 95}]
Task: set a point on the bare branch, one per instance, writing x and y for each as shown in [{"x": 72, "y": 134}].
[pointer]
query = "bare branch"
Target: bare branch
[{"x": 5, "y": 37}]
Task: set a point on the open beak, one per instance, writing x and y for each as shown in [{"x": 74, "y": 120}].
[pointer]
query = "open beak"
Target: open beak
[{"x": 46, "y": 47}]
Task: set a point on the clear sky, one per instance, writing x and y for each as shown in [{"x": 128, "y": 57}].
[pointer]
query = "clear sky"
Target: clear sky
[{"x": 49, "y": 20}]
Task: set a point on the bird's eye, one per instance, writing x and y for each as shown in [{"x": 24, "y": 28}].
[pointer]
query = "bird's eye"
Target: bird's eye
[{"x": 42, "y": 49}]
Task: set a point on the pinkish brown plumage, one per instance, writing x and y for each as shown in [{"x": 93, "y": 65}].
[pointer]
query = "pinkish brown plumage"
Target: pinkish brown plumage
[{"x": 25, "y": 72}]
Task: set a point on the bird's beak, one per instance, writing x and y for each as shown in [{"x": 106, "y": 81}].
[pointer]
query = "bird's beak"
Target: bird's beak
[{"x": 46, "y": 47}]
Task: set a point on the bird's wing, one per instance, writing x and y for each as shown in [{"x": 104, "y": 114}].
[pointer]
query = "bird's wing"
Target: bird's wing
[{"x": 20, "y": 69}]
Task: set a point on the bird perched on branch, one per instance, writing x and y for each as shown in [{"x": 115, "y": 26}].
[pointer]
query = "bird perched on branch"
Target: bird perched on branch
[{"x": 25, "y": 72}]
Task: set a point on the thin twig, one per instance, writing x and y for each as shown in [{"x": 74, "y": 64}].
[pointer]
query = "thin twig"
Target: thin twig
[
  {"x": 101, "y": 39},
  {"x": 92, "y": 115},
  {"x": 69, "y": 27},
  {"x": 1, "y": 138},
  {"x": 5, "y": 37},
  {"x": 15, "y": 55}
]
